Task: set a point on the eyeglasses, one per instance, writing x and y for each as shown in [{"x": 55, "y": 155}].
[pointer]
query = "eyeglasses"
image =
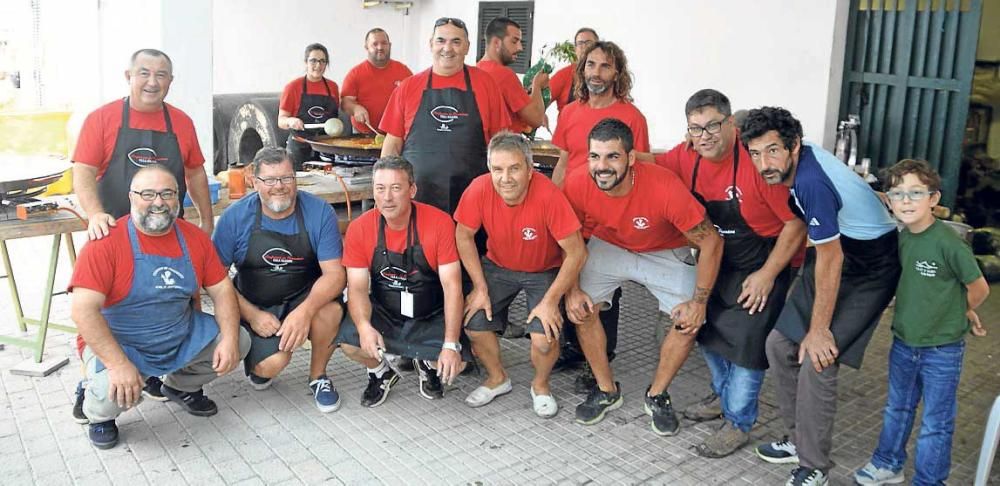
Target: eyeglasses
[
  {"x": 317, "y": 61},
  {"x": 150, "y": 195},
  {"x": 913, "y": 195},
  {"x": 271, "y": 181},
  {"x": 712, "y": 128},
  {"x": 585, "y": 43}
]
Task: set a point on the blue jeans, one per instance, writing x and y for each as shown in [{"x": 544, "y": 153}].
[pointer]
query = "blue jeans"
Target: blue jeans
[
  {"x": 931, "y": 373},
  {"x": 737, "y": 388}
]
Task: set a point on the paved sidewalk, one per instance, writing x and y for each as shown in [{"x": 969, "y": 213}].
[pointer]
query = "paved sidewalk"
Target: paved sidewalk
[{"x": 278, "y": 437}]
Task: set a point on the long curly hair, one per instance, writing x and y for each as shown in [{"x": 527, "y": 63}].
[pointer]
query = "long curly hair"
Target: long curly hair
[{"x": 623, "y": 79}]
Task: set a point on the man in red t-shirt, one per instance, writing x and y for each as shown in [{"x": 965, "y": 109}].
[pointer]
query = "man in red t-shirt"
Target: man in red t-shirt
[
  {"x": 761, "y": 236},
  {"x": 604, "y": 94},
  {"x": 529, "y": 227},
  {"x": 133, "y": 302},
  {"x": 368, "y": 85},
  {"x": 563, "y": 83},
  {"x": 404, "y": 288},
  {"x": 644, "y": 224},
  {"x": 503, "y": 44},
  {"x": 109, "y": 152},
  {"x": 441, "y": 119}
]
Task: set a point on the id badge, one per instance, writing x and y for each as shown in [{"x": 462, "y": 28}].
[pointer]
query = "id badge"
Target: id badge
[{"x": 406, "y": 303}]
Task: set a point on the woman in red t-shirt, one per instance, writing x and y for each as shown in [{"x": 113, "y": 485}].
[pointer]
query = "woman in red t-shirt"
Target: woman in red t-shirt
[{"x": 309, "y": 100}]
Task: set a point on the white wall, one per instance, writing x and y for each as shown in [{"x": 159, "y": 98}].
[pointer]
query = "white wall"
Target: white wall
[{"x": 773, "y": 52}]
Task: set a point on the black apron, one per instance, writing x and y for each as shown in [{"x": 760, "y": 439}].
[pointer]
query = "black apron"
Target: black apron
[
  {"x": 867, "y": 284},
  {"x": 730, "y": 331},
  {"x": 392, "y": 273},
  {"x": 277, "y": 269},
  {"x": 135, "y": 149},
  {"x": 445, "y": 144},
  {"x": 313, "y": 108}
]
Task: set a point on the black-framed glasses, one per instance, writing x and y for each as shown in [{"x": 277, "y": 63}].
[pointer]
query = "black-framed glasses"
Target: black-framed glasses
[
  {"x": 317, "y": 61},
  {"x": 585, "y": 43},
  {"x": 712, "y": 128},
  {"x": 272, "y": 181},
  {"x": 150, "y": 195},
  {"x": 913, "y": 195}
]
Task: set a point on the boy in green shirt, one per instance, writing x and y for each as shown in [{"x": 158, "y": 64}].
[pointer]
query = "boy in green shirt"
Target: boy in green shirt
[{"x": 938, "y": 292}]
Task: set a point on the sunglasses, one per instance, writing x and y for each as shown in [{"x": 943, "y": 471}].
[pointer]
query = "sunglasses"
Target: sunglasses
[{"x": 453, "y": 21}]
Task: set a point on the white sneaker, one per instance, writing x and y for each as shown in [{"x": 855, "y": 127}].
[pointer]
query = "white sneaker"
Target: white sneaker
[
  {"x": 804, "y": 476},
  {"x": 873, "y": 475},
  {"x": 545, "y": 406},
  {"x": 483, "y": 395}
]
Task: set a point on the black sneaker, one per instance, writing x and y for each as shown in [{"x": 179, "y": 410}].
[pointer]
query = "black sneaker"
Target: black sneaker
[
  {"x": 258, "y": 382},
  {"x": 196, "y": 403},
  {"x": 780, "y": 452},
  {"x": 664, "y": 419},
  {"x": 405, "y": 365},
  {"x": 804, "y": 476},
  {"x": 585, "y": 381},
  {"x": 378, "y": 388},
  {"x": 78, "y": 415},
  {"x": 597, "y": 404},
  {"x": 104, "y": 435},
  {"x": 430, "y": 382},
  {"x": 152, "y": 389}
]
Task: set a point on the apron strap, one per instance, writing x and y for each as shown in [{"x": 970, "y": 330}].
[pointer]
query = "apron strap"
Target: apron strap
[
  {"x": 305, "y": 87},
  {"x": 412, "y": 239},
  {"x": 166, "y": 116},
  {"x": 697, "y": 164}
]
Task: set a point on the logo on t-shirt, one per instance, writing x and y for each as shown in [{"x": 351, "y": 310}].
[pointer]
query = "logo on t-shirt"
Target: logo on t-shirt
[
  {"x": 926, "y": 268},
  {"x": 168, "y": 276},
  {"x": 446, "y": 115},
  {"x": 528, "y": 234},
  {"x": 734, "y": 191},
  {"x": 143, "y": 156},
  {"x": 813, "y": 222},
  {"x": 317, "y": 112},
  {"x": 640, "y": 222},
  {"x": 277, "y": 258},
  {"x": 394, "y": 276}
]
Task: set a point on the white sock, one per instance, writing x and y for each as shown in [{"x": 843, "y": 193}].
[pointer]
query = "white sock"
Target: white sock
[{"x": 380, "y": 369}]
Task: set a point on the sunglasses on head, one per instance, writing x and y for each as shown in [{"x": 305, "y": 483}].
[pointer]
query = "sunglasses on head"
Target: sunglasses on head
[{"x": 453, "y": 21}]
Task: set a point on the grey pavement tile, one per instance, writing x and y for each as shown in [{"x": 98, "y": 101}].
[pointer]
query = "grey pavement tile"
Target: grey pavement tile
[
  {"x": 313, "y": 472},
  {"x": 250, "y": 482},
  {"x": 235, "y": 470},
  {"x": 273, "y": 471},
  {"x": 54, "y": 479},
  {"x": 198, "y": 470}
]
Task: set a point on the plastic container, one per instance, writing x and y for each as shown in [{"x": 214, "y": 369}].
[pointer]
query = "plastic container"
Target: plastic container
[{"x": 213, "y": 193}]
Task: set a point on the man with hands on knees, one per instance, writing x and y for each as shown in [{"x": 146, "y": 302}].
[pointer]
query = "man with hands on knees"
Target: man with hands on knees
[
  {"x": 645, "y": 223},
  {"x": 533, "y": 244},
  {"x": 286, "y": 248},
  {"x": 404, "y": 288},
  {"x": 133, "y": 302}
]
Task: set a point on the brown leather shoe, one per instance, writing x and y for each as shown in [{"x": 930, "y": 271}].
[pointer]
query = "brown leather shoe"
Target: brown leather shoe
[{"x": 725, "y": 441}]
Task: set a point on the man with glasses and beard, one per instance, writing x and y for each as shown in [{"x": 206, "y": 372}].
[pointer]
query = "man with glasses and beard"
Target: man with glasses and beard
[
  {"x": 503, "y": 44},
  {"x": 644, "y": 224},
  {"x": 286, "y": 247},
  {"x": 133, "y": 302},
  {"x": 367, "y": 86},
  {"x": 441, "y": 119}
]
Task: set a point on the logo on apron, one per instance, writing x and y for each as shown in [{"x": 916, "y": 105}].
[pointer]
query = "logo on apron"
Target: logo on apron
[
  {"x": 446, "y": 115},
  {"x": 734, "y": 192},
  {"x": 724, "y": 232},
  {"x": 143, "y": 156},
  {"x": 317, "y": 112},
  {"x": 277, "y": 258},
  {"x": 640, "y": 223},
  {"x": 395, "y": 276},
  {"x": 529, "y": 234},
  {"x": 167, "y": 276}
]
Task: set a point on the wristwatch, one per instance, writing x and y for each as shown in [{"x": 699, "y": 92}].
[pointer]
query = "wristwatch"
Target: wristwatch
[{"x": 456, "y": 347}]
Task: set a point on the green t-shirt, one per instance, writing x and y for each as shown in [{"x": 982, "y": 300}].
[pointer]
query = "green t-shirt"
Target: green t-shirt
[{"x": 930, "y": 299}]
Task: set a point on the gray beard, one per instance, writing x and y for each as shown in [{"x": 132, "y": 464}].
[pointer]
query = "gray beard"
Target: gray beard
[
  {"x": 278, "y": 207},
  {"x": 598, "y": 89},
  {"x": 150, "y": 222}
]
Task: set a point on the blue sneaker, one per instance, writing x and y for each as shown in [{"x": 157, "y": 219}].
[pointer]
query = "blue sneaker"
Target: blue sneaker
[
  {"x": 326, "y": 396},
  {"x": 104, "y": 435}
]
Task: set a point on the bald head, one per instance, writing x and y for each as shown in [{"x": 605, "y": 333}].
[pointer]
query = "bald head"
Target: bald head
[{"x": 153, "y": 173}]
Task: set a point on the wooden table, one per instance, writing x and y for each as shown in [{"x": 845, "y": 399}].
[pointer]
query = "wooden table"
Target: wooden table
[{"x": 62, "y": 224}]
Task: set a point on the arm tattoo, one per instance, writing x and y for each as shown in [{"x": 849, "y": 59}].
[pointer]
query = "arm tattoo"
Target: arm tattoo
[
  {"x": 701, "y": 294},
  {"x": 700, "y": 232}
]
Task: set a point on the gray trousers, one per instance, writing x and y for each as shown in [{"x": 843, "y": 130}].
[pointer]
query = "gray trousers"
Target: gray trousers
[
  {"x": 807, "y": 400},
  {"x": 100, "y": 408}
]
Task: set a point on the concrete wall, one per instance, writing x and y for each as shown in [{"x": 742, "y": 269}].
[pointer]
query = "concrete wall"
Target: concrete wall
[{"x": 775, "y": 52}]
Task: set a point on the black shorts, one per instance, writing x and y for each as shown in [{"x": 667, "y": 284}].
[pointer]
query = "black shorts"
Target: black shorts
[
  {"x": 504, "y": 285},
  {"x": 410, "y": 338},
  {"x": 262, "y": 347}
]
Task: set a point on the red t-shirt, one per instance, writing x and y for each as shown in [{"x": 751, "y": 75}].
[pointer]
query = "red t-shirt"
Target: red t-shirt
[
  {"x": 107, "y": 265},
  {"x": 405, "y": 101},
  {"x": 652, "y": 216},
  {"x": 523, "y": 238},
  {"x": 577, "y": 120},
  {"x": 291, "y": 96},
  {"x": 560, "y": 84},
  {"x": 99, "y": 133},
  {"x": 435, "y": 230},
  {"x": 763, "y": 206},
  {"x": 371, "y": 87},
  {"x": 514, "y": 95}
]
